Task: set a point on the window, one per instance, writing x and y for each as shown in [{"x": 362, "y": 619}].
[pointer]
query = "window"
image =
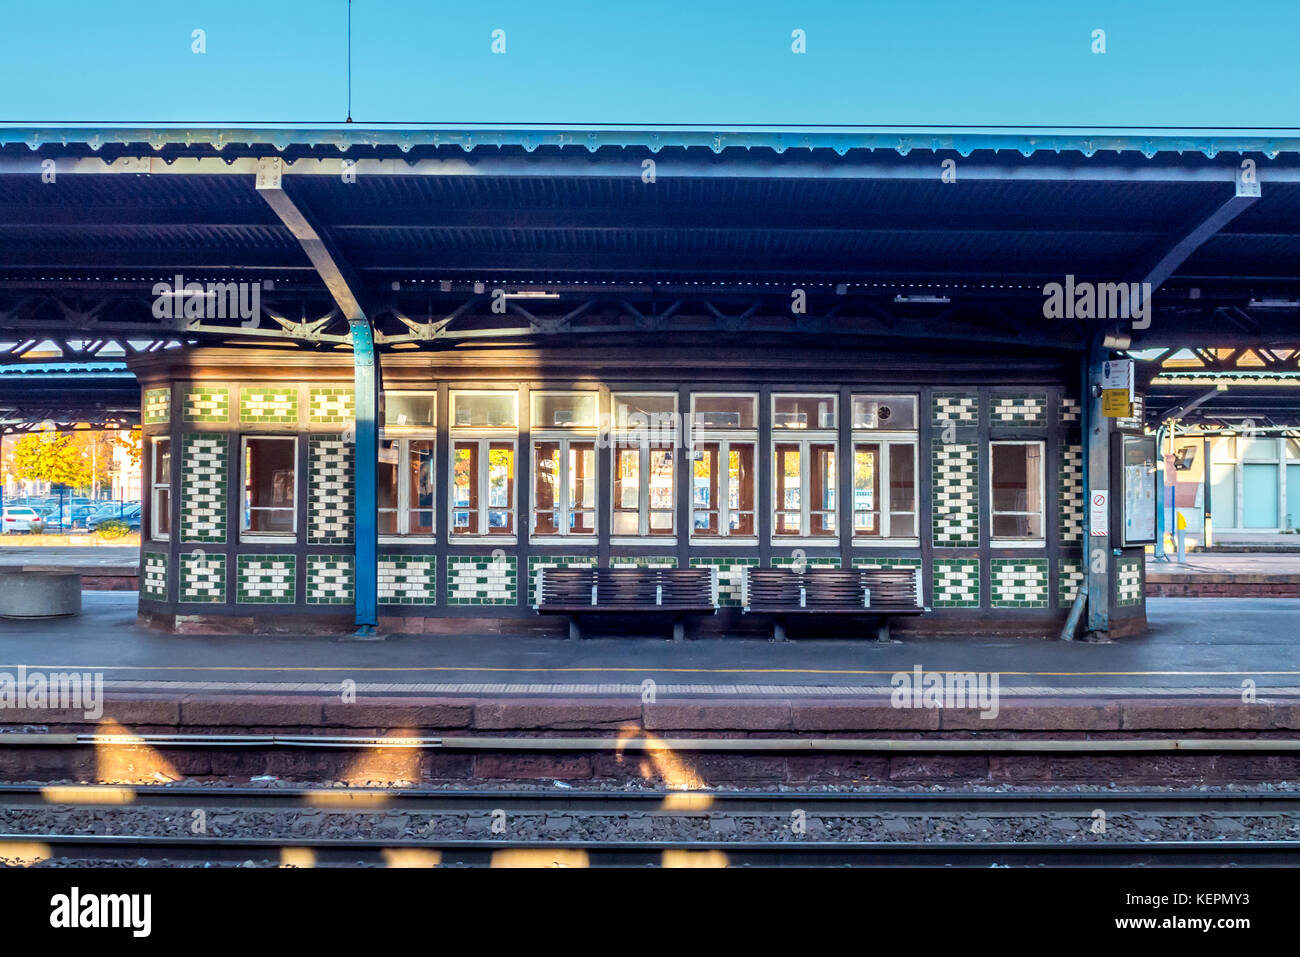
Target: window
[
  {"x": 893, "y": 412},
  {"x": 409, "y": 411},
  {"x": 406, "y": 487},
  {"x": 722, "y": 496},
  {"x": 723, "y": 457},
  {"x": 270, "y": 486},
  {"x": 805, "y": 412},
  {"x": 645, "y": 438},
  {"x": 884, "y": 467},
  {"x": 483, "y": 463},
  {"x": 406, "y": 464},
  {"x": 564, "y": 463},
  {"x": 723, "y": 411},
  {"x": 1016, "y": 476},
  {"x": 804, "y": 469},
  {"x": 161, "y": 510}
]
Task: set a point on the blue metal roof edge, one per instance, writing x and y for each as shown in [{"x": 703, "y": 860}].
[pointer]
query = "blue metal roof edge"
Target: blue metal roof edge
[
  {"x": 99, "y": 370},
  {"x": 902, "y": 141}
]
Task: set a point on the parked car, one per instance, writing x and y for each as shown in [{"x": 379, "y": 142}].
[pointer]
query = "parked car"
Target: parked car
[
  {"x": 21, "y": 518},
  {"x": 130, "y": 514}
]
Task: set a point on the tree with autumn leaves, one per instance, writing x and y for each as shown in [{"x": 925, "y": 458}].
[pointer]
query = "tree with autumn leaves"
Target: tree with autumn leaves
[{"x": 64, "y": 458}]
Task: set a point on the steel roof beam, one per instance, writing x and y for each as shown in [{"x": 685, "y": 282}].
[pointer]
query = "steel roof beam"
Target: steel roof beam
[
  {"x": 348, "y": 292},
  {"x": 628, "y": 165},
  {"x": 1205, "y": 226}
]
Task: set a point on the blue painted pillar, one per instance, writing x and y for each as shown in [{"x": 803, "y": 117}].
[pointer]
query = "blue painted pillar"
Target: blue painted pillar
[
  {"x": 1096, "y": 481},
  {"x": 366, "y": 383}
]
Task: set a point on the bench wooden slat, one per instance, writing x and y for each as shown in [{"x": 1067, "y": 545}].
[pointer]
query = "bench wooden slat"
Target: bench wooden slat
[{"x": 882, "y": 592}]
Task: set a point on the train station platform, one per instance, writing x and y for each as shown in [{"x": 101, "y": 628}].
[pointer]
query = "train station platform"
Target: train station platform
[
  {"x": 1225, "y": 575},
  {"x": 102, "y": 567},
  {"x": 1203, "y": 647}
]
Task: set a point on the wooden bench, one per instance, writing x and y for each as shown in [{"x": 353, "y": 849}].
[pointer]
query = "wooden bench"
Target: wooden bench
[
  {"x": 674, "y": 592},
  {"x": 879, "y": 592}
]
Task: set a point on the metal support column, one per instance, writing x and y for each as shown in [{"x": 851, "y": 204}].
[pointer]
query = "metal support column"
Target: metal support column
[
  {"x": 367, "y": 387},
  {"x": 347, "y": 291},
  {"x": 1098, "y": 559}
]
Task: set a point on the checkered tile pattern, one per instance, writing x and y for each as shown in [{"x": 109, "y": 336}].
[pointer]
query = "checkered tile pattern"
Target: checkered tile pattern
[
  {"x": 203, "y": 577},
  {"x": 266, "y": 579},
  {"x": 643, "y": 561},
  {"x": 482, "y": 581},
  {"x": 536, "y": 562},
  {"x": 331, "y": 580},
  {"x": 203, "y": 481},
  {"x": 265, "y": 406},
  {"x": 1019, "y": 583},
  {"x": 731, "y": 577},
  {"x": 963, "y": 408},
  {"x": 873, "y": 563},
  {"x": 785, "y": 561},
  {"x": 209, "y": 403},
  {"x": 955, "y": 487},
  {"x": 330, "y": 405},
  {"x": 1026, "y": 410},
  {"x": 408, "y": 579},
  {"x": 1071, "y": 577},
  {"x": 1069, "y": 484},
  {"x": 1128, "y": 581},
  {"x": 157, "y": 406},
  {"x": 1070, "y": 413},
  {"x": 154, "y": 584},
  {"x": 330, "y": 462},
  {"x": 956, "y": 583}
]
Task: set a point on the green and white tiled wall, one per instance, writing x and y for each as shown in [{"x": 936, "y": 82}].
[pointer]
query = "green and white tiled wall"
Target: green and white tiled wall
[
  {"x": 483, "y": 580},
  {"x": 260, "y": 404},
  {"x": 330, "y": 463},
  {"x": 154, "y": 583},
  {"x": 1019, "y": 583},
  {"x": 266, "y": 579},
  {"x": 204, "y": 479},
  {"x": 331, "y": 579},
  {"x": 263, "y": 405},
  {"x": 731, "y": 577},
  {"x": 956, "y": 583},
  {"x": 408, "y": 579},
  {"x": 203, "y": 577},
  {"x": 156, "y": 407}
]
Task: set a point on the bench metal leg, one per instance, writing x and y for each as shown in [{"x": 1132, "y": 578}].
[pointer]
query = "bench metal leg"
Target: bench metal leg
[
  {"x": 575, "y": 629},
  {"x": 679, "y": 630},
  {"x": 882, "y": 630},
  {"x": 778, "y": 631}
]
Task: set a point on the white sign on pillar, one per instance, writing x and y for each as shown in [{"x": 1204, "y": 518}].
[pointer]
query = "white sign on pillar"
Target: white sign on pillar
[{"x": 1098, "y": 514}]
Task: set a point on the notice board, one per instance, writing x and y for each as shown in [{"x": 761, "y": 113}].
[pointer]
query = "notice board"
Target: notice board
[{"x": 1139, "y": 490}]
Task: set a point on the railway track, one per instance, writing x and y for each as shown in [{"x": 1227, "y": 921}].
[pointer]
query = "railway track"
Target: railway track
[{"x": 709, "y": 811}]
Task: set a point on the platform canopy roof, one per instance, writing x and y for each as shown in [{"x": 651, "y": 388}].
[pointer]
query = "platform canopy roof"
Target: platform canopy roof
[{"x": 946, "y": 236}]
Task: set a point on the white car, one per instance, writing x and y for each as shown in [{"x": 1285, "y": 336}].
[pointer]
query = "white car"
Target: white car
[{"x": 20, "y": 518}]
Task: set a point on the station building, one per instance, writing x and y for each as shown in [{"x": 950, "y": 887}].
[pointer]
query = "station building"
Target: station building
[{"x": 473, "y": 360}]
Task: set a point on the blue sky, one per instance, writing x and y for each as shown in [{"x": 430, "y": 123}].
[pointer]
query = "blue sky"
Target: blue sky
[{"x": 928, "y": 63}]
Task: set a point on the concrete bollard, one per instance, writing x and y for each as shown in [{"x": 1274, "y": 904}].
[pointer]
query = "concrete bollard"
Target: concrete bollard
[{"x": 39, "y": 594}]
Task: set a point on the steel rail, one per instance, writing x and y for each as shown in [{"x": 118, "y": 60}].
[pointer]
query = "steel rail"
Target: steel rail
[
  {"x": 792, "y": 852},
  {"x": 667, "y": 802},
  {"x": 785, "y": 744}
]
